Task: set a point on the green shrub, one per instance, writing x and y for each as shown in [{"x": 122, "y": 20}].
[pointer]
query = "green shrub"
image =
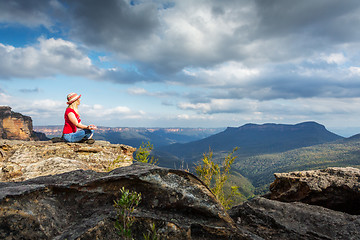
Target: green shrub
[
  {"x": 215, "y": 176},
  {"x": 125, "y": 206},
  {"x": 143, "y": 153},
  {"x": 152, "y": 234}
]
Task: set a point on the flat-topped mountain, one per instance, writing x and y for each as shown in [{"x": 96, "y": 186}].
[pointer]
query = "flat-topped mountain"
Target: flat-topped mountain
[{"x": 255, "y": 139}]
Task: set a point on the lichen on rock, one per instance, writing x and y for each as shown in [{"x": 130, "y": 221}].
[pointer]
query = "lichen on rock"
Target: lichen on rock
[
  {"x": 22, "y": 160},
  {"x": 79, "y": 205},
  {"x": 335, "y": 188}
]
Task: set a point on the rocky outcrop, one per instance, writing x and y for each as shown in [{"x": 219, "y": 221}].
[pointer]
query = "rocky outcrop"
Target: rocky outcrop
[
  {"x": 15, "y": 126},
  {"x": 66, "y": 191},
  {"x": 79, "y": 205},
  {"x": 271, "y": 219},
  {"x": 317, "y": 204},
  {"x": 22, "y": 160},
  {"x": 334, "y": 188}
]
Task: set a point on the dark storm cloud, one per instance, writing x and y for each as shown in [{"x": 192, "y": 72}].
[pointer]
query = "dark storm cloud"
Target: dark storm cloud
[
  {"x": 112, "y": 24},
  {"x": 150, "y": 33},
  {"x": 169, "y": 37},
  {"x": 162, "y": 39},
  {"x": 305, "y": 27},
  {"x": 321, "y": 17},
  {"x": 30, "y": 13}
]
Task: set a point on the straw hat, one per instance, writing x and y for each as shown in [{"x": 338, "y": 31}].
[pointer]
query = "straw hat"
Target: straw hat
[{"x": 72, "y": 97}]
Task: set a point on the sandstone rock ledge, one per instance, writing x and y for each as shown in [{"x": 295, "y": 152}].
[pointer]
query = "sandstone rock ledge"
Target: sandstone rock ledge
[
  {"x": 334, "y": 188},
  {"x": 308, "y": 205},
  {"x": 22, "y": 160},
  {"x": 271, "y": 219}
]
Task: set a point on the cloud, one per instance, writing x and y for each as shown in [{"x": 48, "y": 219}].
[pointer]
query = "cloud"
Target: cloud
[
  {"x": 137, "y": 91},
  {"x": 108, "y": 114},
  {"x": 51, "y": 112},
  {"x": 162, "y": 38},
  {"x": 325, "y": 76},
  {"x": 335, "y": 58},
  {"x": 34, "y": 90},
  {"x": 220, "y": 106},
  {"x": 155, "y": 35},
  {"x": 42, "y": 112},
  {"x": 115, "y": 25},
  {"x": 51, "y": 57},
  {"x": 28, "y": 13},
  {"x": 251, "y": 58},
  {"x": 158, "y": 94},
  {"x": 209, "y": 33},
  {"x": 276, "y": 110},
  {"x": 321, "y": 20},
  {"x": 5, "y": 99}
]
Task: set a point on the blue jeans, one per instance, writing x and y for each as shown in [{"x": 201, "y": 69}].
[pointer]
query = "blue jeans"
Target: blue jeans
[{"x": 82, "y": 134}]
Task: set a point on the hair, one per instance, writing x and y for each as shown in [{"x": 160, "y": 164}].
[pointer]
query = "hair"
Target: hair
[{"x": 74, "y": 105}]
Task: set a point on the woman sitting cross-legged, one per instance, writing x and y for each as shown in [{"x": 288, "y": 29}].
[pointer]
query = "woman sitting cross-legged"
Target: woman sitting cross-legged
[{"x": 73, "y": 122}]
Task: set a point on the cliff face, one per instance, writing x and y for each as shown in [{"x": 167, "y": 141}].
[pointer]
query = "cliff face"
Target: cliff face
[{"x": 16, "y": 126}]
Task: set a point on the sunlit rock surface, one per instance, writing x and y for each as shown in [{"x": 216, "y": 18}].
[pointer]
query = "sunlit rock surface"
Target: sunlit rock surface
[
  {"x": 334, "y": 188},
  {"x": 22, "y": 160}
]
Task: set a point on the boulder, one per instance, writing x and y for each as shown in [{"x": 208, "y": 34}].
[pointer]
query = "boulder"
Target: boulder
[
  {"x": 22, "y": 160},
  {"x": 271, "y": 219},
  {"x": 334, "y": 188},
  {"x": 79, "y": 205}
]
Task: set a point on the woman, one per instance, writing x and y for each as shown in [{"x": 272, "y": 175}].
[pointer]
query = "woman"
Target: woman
[{"x": 73, "y": 121}]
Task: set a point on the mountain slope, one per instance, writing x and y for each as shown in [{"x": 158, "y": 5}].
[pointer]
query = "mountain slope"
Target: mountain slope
[
  {"x": 259, "y": 169},
  {"x": 252, "y": 139}
]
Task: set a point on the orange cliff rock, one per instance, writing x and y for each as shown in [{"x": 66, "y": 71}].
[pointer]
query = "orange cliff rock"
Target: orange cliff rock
[{"x": 15, "y": 126}]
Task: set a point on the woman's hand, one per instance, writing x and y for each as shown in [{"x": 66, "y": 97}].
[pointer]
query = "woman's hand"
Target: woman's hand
[
  {"x": 74, "y": 121},
  {"x": 92, "y": 127}
]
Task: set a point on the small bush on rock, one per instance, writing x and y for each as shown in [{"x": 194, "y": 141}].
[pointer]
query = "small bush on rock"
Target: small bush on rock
[
  {"x": 152, "y": 234},
  {"x": 116, "y": 163},
  {"x": 125, "y": 206}
]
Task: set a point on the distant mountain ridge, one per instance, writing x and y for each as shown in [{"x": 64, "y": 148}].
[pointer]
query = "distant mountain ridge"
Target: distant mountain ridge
[
  {"x": 134, "y": 136},
  {"x": 255, "y": 139}
]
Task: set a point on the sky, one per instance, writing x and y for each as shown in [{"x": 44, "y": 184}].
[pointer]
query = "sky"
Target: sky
[{"x": 183, "y": 63}]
